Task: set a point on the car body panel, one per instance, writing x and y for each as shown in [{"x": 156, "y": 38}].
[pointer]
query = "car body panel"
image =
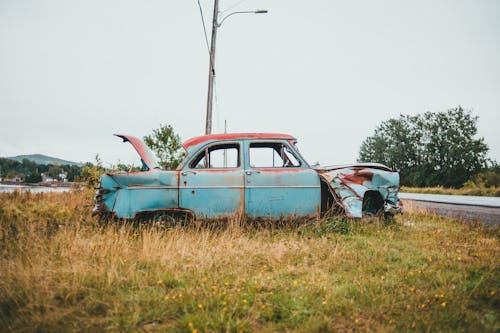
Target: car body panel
[
  {"x": 212, "y": 194},
  {"x": 276, "y": 193},
  {"x": 280, "y": 191},
  {"x": 193, "y": 145},
  {"x": 129, "y": 193}
]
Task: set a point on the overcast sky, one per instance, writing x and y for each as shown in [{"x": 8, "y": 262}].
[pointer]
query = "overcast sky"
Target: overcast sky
[{"x": 72, "y": 73}]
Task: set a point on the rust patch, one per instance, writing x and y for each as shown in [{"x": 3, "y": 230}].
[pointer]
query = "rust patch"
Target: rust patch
[{"x": 358, "y": 177}]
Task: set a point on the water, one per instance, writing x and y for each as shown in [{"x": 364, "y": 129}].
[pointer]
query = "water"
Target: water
[{"x": 33, "y": 189}]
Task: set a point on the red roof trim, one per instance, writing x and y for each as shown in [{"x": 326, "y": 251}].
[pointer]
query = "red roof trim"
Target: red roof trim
[{"x": 233, "y": 136}]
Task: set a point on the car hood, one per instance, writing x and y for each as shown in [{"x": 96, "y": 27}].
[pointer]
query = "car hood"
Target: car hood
[
  {"x": 322, "y": 169},
  {"x": 147, "y": 157}
]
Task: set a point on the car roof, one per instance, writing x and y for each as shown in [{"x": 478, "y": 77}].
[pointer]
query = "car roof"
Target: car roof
[{"x": 198, "y": 140}]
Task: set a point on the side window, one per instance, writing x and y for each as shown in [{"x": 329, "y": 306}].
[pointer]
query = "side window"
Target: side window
[
  {"x": 217, "y": 157},
  {"x": 272, "y": 155}
]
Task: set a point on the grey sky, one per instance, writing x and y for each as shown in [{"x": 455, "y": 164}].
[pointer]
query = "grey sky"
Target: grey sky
[{"x": 74, "y": 72}]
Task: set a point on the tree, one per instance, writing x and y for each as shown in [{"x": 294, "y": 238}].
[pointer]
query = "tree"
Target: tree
[
  {"x": 54, "y": 171},
  {"x": 166, "y": 145},
  {"x": 429, "y": 149}
]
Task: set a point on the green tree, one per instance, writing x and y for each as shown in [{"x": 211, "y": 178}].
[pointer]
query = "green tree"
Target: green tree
[
  {"x": 90, "y": 173},
  {"x": 166, "y": 145},
  {"x": 54, "y": 171},
  {"x": 429, "y": 149}
]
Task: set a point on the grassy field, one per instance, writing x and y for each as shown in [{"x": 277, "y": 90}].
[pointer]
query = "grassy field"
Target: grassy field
[
  {"x": 467, "y": 190},
  {"x": 60, "y": 270}
]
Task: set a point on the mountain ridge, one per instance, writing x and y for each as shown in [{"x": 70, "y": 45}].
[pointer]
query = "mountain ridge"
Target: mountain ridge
[{"x": 43, "y": 159}]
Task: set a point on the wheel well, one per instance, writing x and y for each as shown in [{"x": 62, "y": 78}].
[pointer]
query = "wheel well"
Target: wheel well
[
  {"x": 329, "y": 204},
  {"x": 373, "y": 203},
  {"x": 183, "y": 214}
]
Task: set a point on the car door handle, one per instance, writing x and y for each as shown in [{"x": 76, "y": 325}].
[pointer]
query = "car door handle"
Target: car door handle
[
  {"x": 248, "y": 172},
  {"x": 185, "y": 173}
]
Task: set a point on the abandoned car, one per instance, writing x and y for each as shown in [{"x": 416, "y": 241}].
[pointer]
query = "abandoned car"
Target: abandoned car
[{"x": 255, "y": 174}]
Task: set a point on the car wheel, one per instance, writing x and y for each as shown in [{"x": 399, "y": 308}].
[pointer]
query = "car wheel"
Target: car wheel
[{"x": 165, "y": 220}]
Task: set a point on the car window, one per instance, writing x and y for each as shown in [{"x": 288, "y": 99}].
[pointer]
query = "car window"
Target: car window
[
  {"x": 272, "y": 155},
  {"x": 217, "y": 157}
]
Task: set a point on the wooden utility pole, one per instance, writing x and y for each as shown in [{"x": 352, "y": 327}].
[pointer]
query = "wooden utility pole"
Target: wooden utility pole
[{"x": 211, "y": 73}]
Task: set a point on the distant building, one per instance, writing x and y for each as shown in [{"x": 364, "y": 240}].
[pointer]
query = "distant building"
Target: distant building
[
  {"x": 63, "y": 176},
  {"x": 15, "y": 179},
  {"x": 47, "y": 179}
]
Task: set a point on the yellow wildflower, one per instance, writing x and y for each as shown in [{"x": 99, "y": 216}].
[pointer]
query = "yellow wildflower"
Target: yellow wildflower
[
  {"x": 443, "y": 304},
  {"x": 200, "y": 305},
  {"x": 429, "y": 259},
  {"x": 295, "y": 283},
  {"x": 492, "y": 293},
  {"x": 159, "y": 282},
  {"x": 190, "y": 325},
  {"x": 166, "y": 297}
]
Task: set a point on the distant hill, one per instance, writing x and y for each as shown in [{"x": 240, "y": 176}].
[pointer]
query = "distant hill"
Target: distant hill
[{"x": 43, "y": 159}]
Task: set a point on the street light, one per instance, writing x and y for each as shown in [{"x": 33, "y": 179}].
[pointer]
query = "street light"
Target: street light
[
  {"x": 211, "y": 73},
  {"x": 258, "y": 11}
]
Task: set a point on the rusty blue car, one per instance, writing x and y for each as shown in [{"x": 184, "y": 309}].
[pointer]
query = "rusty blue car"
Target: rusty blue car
[{"x": 257, "y": 175}]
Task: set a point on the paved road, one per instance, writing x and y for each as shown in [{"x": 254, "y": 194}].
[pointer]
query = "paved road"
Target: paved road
[
  {"x": 466, "y": 212},
  {"x": 470, "y": 200}
]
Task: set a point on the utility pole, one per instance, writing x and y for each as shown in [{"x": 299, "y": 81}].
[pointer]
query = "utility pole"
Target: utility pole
[
  {"x": 225, "y": 150},
  {"x": 211, "y": 73}
]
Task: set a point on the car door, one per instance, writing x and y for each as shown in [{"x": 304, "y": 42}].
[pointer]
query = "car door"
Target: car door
[
  {"x": 278, "y": 182},
  {"x": 211, "y": 183}
]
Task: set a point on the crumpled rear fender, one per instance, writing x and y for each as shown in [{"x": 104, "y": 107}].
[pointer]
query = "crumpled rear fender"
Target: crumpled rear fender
[{"x": 350, "y": 186}]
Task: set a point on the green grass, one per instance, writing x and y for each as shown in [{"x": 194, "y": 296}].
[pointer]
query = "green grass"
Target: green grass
[
  {"x": 466, "y": 190},
  {"x": 60, "y": 270}
]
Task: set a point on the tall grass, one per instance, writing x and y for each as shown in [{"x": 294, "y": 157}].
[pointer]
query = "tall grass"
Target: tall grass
[{"x": 60, "y": 270}]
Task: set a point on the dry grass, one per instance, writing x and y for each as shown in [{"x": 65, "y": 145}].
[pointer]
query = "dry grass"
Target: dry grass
[{"x": 62, "y": 271}]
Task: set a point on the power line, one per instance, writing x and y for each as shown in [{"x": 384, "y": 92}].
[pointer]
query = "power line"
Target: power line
[
  {"x": 204, "y": 28},
  {"x": 208, "y": 49}
]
